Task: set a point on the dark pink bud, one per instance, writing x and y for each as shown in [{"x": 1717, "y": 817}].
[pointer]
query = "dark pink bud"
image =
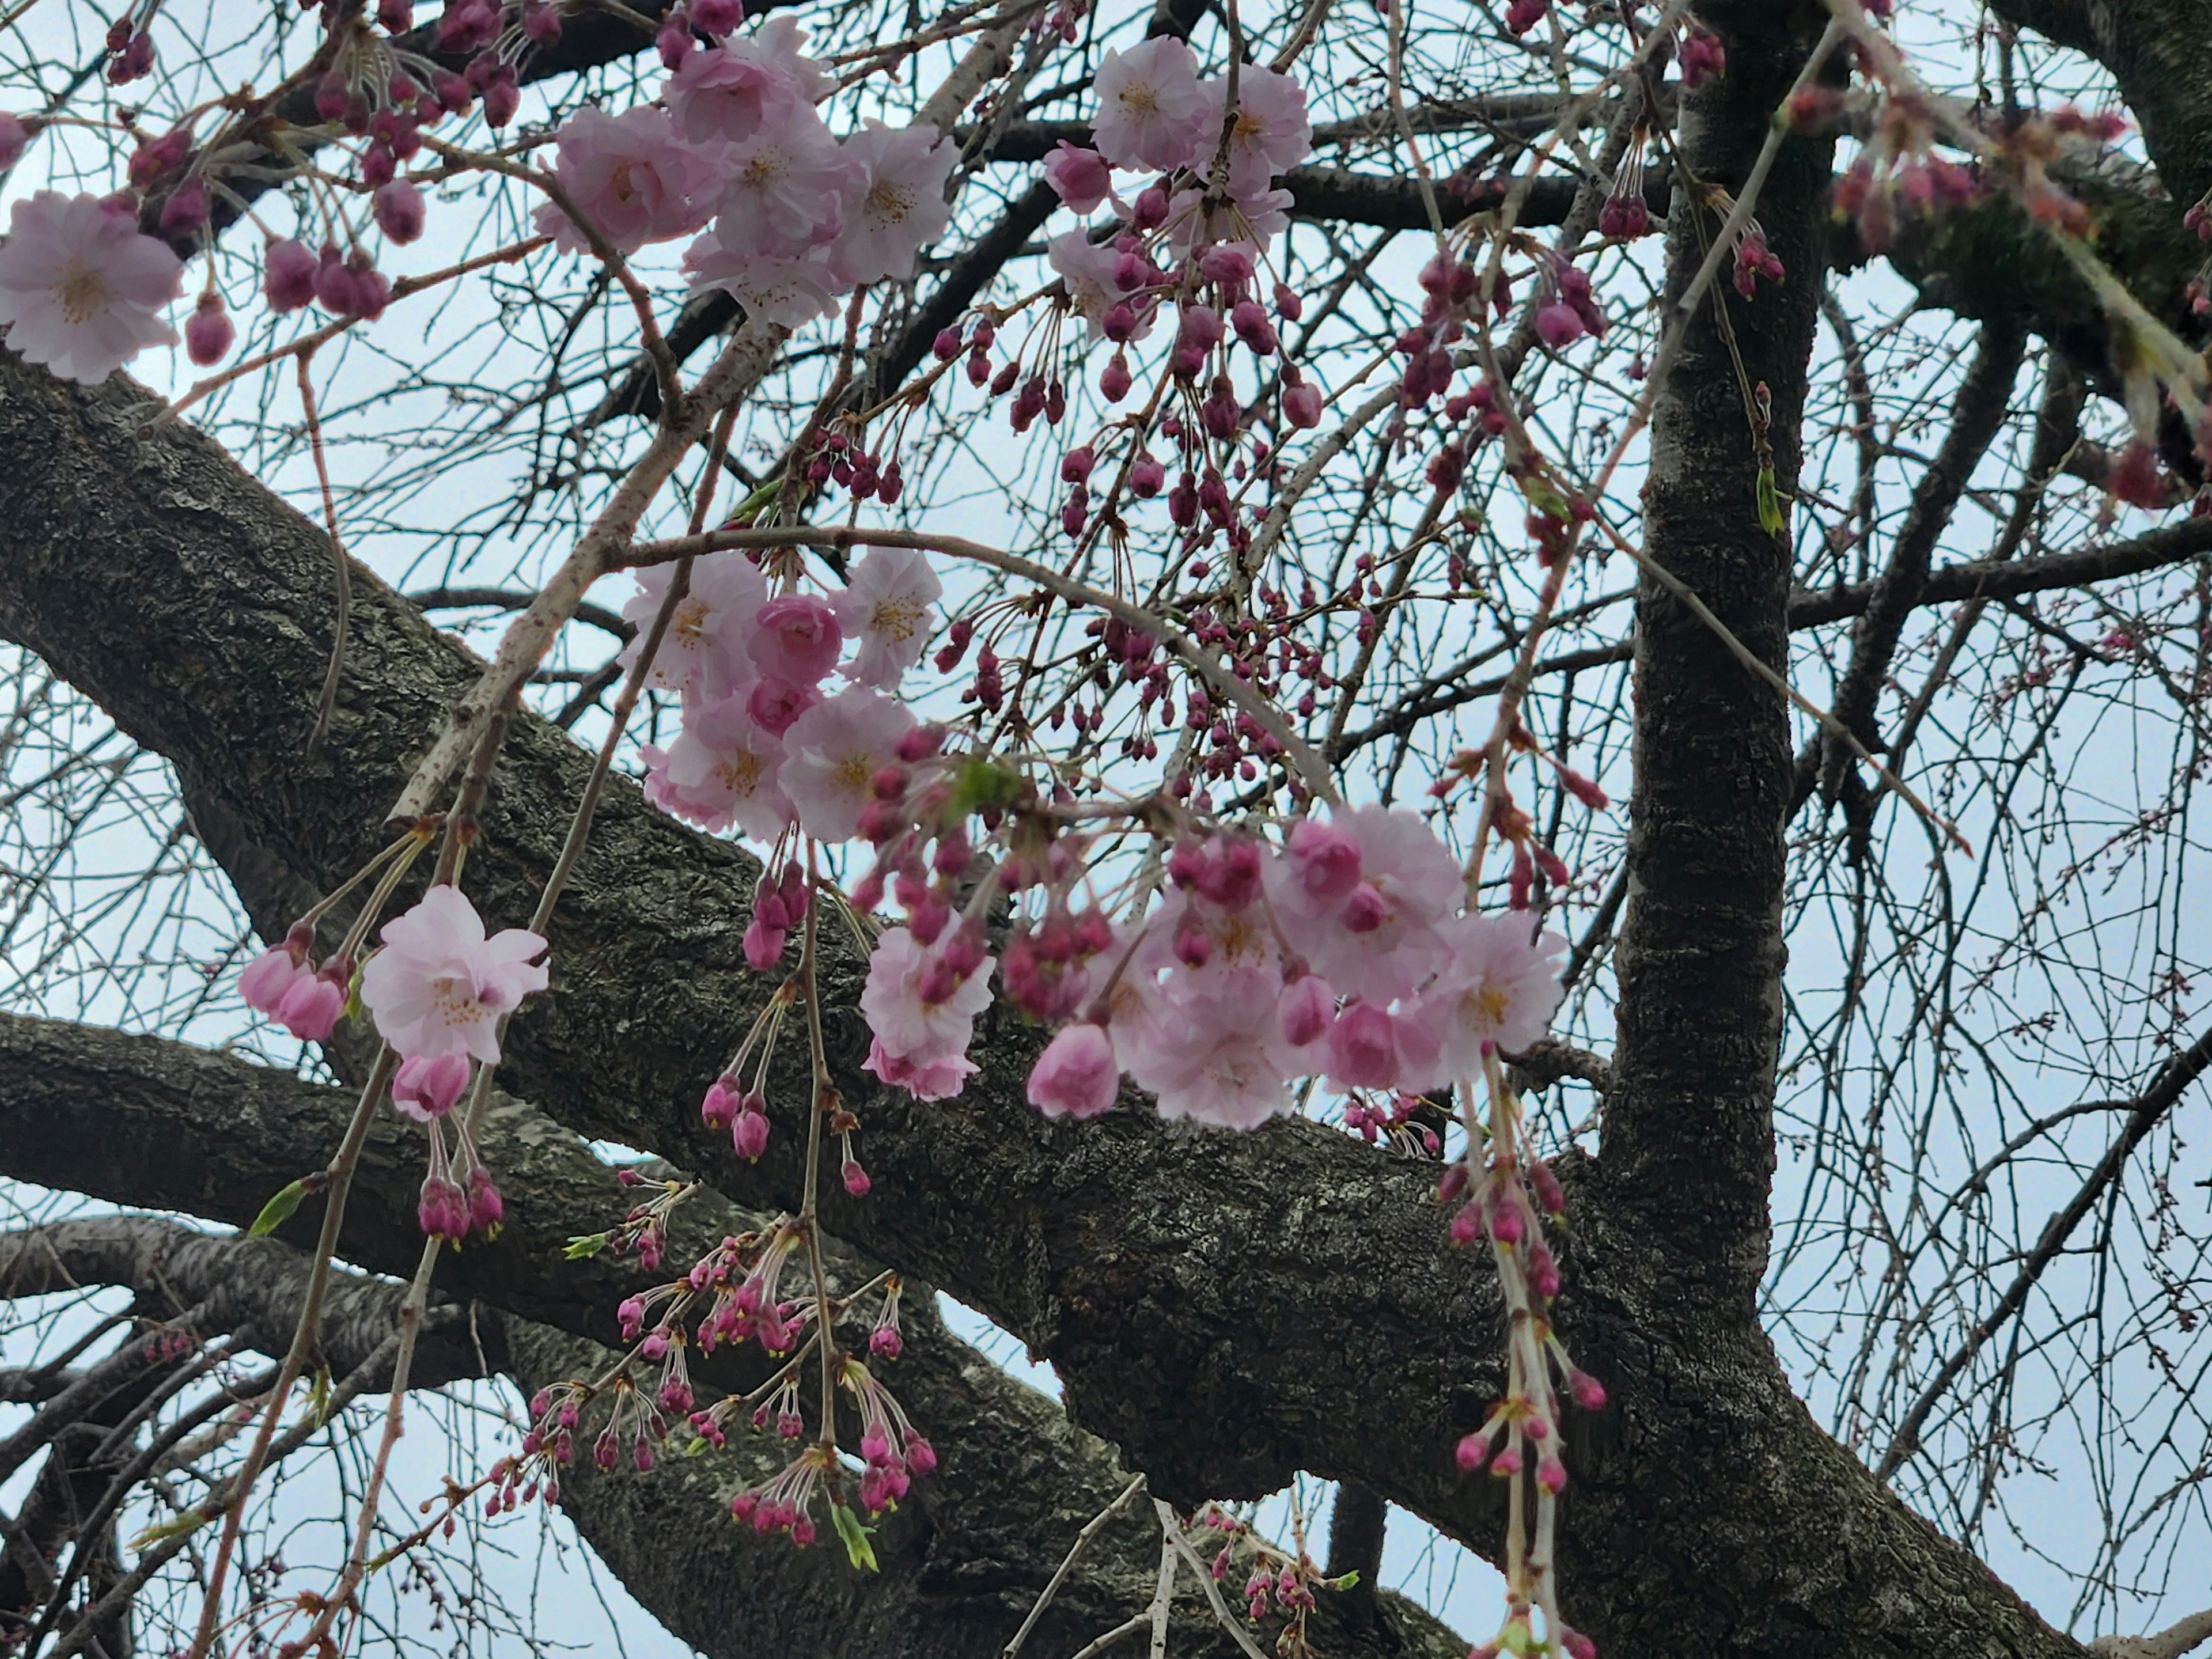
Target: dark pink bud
[
  {"x": 209, "y": 334},
  {"x": 856, "y": 1180},
  {"x": 1586, "y": 1391},
  {"x": 1151, "y": 209},
  {"x": 1301, "y": 405},
  {"x": 398, "y": 209},
  {"x": 186, "y": 209},
  {"x": 1472, "y": 1452},
  {"x": 946, "y": 346},
  {"x": 763, "y": 946},
  {"x": 749, "y": 1135},
  {"x": 486, "y": 1211},
  {"x": 1364, "y": 911}
]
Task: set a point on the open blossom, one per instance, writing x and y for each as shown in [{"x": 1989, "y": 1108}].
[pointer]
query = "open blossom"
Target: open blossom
[
  {"x": 1376, "y": 937},
  {"x": 1088, "y": 268},
  {"x": 721, "y": 771},
  {"x": 895, "y": 204},
  {"x": 1271, "y": 134},
  {"x": 1075, "y": 1076},
  {"x": 1149, "y": 105},
  {"x": 704, "y": 648},
  {"x": 81, "y": 290},
  {"x": 1206, "y": 1057},
  {"x": 1370, "y": 1047},
  {"x": 631, "y": 175},
  {"x": 783, "y": 192},
  {"x": 919, "y": 1045},
  {"x": 832, "y": 751},
  {"x": 731, "y": 92},
  {"x": 439, "y": 986},
  {"x": 1499, "y": 989},
  {"x": 886, "y": 608},
  {"x": 1082, "y": 177},
  {"x": 1258, "y": 218},
  {"x": 786, "y": 290}
]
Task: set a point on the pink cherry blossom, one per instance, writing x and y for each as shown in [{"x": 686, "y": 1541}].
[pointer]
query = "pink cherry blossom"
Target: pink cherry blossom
[
  {"x": 311, "y": 1006},
  {"x": 896, "y": 203},
  {"x": 783, "y": 191},
  {"x": 427, "y": 1086},
  {"x": 886, "y": 608},
  {"x": 81, "y": 290},
  {"x": 731, "y": 92},
  {"x": 832, "y": 752},
  {"x": 703, "y": 649},
  {"x": 1305, "y": 1010},
  {"x": 1082, "y": 177},
  {"x": 1149, "y": 105},
  {"x": 631, "y": 175},
  {"x": 776, "y": 705},
  {"x": 1088, "y": 268},
  {"x": 1206, "y": 1058},
  {"x": 439, "y": 986},
  {"x": 1498, "y": 990},
  {"x": 1370, "y": 1047},
  {"x": 270, "y": 975},
  {"x": 787, "y": 290},
  {"x": 1378, "y": 937},
  {"x": 721, "y": 771},
  {"x": 1271, "y": 134},
  {"x": 919, "y": 1045},
  {"x": 1075, "y": 1076},
  {"x": 795, "y": 638}
]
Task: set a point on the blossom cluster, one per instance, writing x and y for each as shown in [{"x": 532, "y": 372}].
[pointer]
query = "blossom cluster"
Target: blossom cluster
[
  {"x": 762, "y": 746},
  {"x": 439, "y": 990}
]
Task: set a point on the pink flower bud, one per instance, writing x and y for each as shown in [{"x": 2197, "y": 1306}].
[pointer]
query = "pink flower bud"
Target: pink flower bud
[
  {"x": 1507, "y": 1463},
  {"x": 398, "y": 209},
  {"x": 427, "y": 1086},
  {"x": 1151, "y": 209},
  {"x": 719, "y": 1106},
  {"x": 1075, "y": 1076},
  {"x": 1586, "y": 1391},
  {"x": 14, "y": 137},
  {"x": 289, "y": 275},
  {"x": 1552, "y": 1474},
  {"x": 749, "y": 1135},
  {"x": 1301, "y": 405},
  {"x": 1364, "y": 910},
  {"x": 486, "y": 1211},
  {"x": 763, "y": 946},
  {"x": 1472, "y": 1452},
  {"x": 856, "y": 1180},
  {"x": 311, "y": 1008},
  {"x": 1306, "y": 1010}
]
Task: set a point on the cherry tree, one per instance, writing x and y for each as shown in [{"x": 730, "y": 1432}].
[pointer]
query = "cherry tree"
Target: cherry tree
[{"x": 1458, "y": 747}]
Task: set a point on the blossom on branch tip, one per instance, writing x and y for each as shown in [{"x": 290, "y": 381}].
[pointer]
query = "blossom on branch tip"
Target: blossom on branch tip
[
  {"x": 1269, "y": 136},
  {"x": 1075, "y": 1076},
  {"x": 427, "y": 1086},
  {"x": 895, "y": 204},
  {"x": 80, "y": 289},
  {"x": 833, "y": 752},
  {"x": 885, "y": 608},
  {"x": 631, "y": 175},
  {"x": 1082, "y": 177},
  {"x": 922, "y": 1038},
  {"x": 1498, "y": 992},
  {"x": 439, "y": 986},
  {"x": 1149, "y": 105}
]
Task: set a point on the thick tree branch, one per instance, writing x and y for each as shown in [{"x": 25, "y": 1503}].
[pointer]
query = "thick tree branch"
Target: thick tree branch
[
  {"x": 1196, "y": 1315},
  {"x": 142, "y": 1121}
]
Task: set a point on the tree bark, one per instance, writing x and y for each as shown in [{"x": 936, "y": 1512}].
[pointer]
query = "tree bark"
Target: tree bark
[
  {"x": 1228, "y": 1309},
  {"x": 144, "y": 1122}
]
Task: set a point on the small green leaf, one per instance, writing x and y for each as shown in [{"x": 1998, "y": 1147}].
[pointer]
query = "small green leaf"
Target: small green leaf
[
  {"x": 1348, "y": 1581},
  {"x": 857, "y": 1546},
  {"x": 1771, "y": 519},
  {"x": 980, "y": 785},
  {"x": 185, "y": 1525},
  {"x": 584, "y": 1246},
  {"x": 698, "y": 1447},
  {"x": 278, "y": 1210}
]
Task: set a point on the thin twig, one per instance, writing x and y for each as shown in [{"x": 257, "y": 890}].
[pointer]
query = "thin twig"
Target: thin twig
[{"x": 1091, "y": 1528}]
